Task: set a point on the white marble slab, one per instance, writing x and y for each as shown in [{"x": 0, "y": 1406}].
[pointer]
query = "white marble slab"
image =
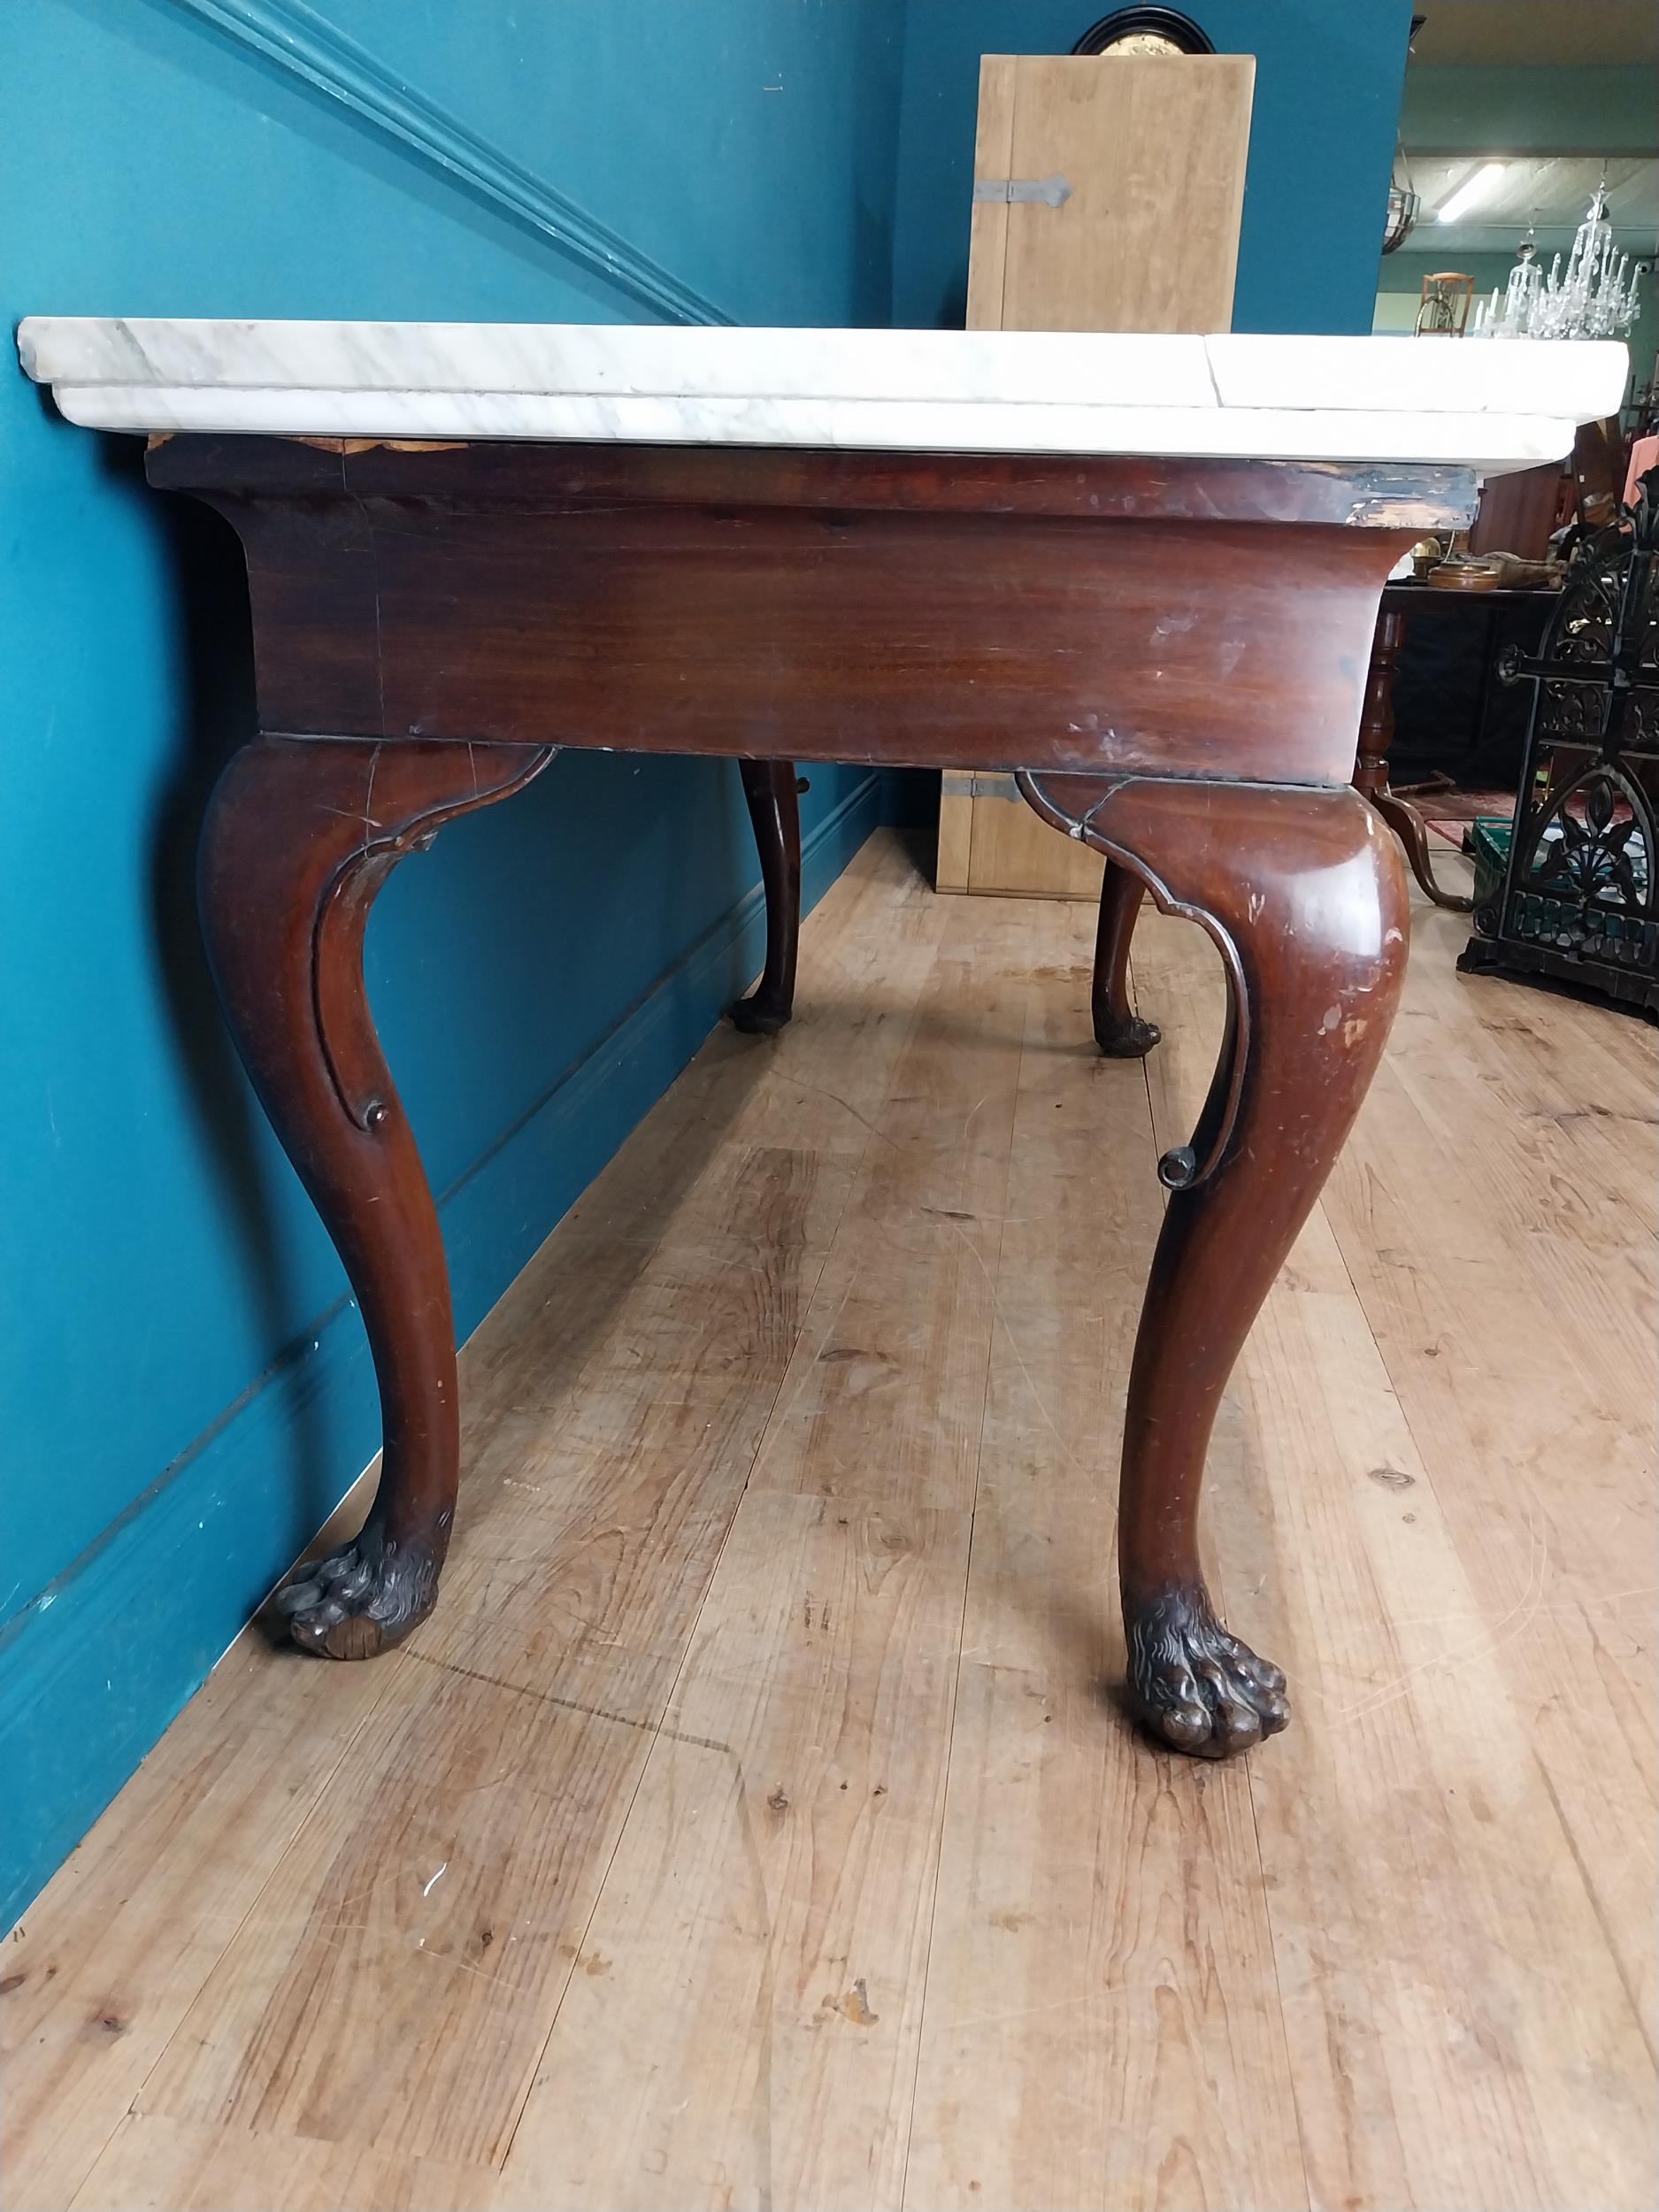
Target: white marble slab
[{"x": 1489, "y": 406}]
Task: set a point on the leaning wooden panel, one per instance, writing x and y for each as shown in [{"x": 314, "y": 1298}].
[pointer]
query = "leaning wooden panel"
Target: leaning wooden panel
[
  {"x": 1132, "y": 142},
  {"x": 1152, "y": 154},
  {"x": 956, "y": 831},
  {"x": 987, "y": 224},
  {"x": 1012, "y": 853}
]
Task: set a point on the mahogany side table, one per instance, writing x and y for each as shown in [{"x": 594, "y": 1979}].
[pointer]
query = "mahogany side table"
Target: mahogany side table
[{"x": 1142, "y": 574}]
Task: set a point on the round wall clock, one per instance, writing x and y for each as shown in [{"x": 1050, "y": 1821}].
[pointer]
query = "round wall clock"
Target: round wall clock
[{"x": 1144, "y": 30}]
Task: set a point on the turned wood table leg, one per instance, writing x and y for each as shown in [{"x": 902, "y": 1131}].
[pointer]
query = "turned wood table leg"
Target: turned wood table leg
[
  {"x": 1118, "y": 1029},
  {"x": 300, "y": 834},
  {"x": 770, "y": 787},
  {"x": 1304, "y": 896},
  {"x": 1377, "y": 717},
  {"x": 1371, "y": 763}
]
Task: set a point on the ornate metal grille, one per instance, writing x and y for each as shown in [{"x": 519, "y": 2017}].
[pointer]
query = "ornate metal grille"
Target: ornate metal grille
[{"x": 1580, "y": 896}]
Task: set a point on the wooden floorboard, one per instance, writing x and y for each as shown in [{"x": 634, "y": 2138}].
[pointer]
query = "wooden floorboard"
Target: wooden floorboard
[
  {"x": 754, "y": 1824},
  {"x": 1441, "y": 1952},
  {"x": 1101, "y": 2025},
  {"x": 743, "y": 2022}
]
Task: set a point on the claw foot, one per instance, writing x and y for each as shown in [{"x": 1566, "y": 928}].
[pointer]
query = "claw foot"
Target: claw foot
[
  {"x": 759, "y": 1015},
  {"x": 1194, "y": 1686},
  {"x": 361, "y": 1599},
  {"x": 1126, "y": 1037}
]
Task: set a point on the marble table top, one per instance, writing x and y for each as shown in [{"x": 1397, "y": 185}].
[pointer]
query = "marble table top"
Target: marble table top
[{"x": 1484, "y": 404}]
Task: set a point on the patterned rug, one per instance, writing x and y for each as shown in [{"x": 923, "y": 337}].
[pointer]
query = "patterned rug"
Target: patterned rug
[{"x": 1449, "y": 812}]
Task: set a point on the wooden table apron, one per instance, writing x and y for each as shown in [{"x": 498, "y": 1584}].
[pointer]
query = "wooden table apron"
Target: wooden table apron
[{"x": 1170, "y": 654}]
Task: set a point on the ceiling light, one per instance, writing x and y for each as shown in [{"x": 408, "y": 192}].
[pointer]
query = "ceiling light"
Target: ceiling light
[{"x": 1470, "y": 191}]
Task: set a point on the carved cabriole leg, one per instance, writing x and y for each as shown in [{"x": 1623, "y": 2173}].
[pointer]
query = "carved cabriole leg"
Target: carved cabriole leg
[
  {"x": 1118, "y": 1029},
  {"x": 1304, "y": 896},
  {"x": 770, "y": 787},
  {"x": 300, "y": 835}
]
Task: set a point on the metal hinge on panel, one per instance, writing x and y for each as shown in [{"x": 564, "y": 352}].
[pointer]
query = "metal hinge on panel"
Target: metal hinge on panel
[
  {"x": 1022, "y": 191},
  {"x": 959, "y": 783}
]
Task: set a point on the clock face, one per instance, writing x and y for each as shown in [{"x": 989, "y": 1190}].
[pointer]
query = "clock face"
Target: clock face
[
  {"x": 1144, "y": 30},
  {"x": 1143, "y": 43}
]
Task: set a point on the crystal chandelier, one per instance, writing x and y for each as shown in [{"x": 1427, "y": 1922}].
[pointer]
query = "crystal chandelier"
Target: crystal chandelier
[{"x": 1594, "y": 298}]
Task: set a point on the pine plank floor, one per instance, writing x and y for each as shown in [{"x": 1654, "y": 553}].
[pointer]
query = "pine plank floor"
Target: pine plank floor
[{"x": 749, "y": 1829}]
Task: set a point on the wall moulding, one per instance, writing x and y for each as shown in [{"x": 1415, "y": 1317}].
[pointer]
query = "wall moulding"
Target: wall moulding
[{"x": 289, "y": 36}]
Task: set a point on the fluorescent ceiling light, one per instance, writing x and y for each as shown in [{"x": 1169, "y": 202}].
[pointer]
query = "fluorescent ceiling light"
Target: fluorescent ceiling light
[{"x": 1471, "y": 192}]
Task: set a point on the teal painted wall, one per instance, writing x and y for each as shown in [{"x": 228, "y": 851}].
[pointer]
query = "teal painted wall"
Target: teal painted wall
[
  {"x": 1327, "y": 93},
  {"x": 184, "y": 1392}
]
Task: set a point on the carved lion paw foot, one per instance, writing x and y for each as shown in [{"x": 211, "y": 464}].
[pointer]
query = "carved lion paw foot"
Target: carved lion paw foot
[
  {"x": 759, "y": 1015},
  {"x": 1126, "y": 1036},
  {"x": 1194, "y": 1686},
  {"x": 361, "y": 1599}
]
